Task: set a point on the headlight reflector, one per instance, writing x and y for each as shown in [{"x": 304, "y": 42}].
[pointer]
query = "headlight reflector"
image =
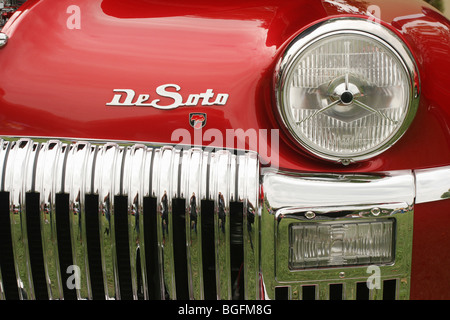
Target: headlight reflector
[{"x": 346, "y": 90}]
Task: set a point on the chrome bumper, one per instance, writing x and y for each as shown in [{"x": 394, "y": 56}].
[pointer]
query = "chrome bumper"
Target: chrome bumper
[
  {"x": 300, "y": 198},
  {"x": 95, "y": 220}
]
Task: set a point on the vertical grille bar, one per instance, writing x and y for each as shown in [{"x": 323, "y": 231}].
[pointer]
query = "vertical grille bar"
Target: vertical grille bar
[
  {"x": 119, "y": 218},
  {"x": 8, "y": 285},
  {"x": 92, "y": 226},
  {"x": 134, "y": 188},
  {"x": 165, "y": 195},
  {"x": 350, "y": 291},
  {"x": 62, "y": 223},
  {"x": 221, "y": 187},
  {"x": 148, "y": 234},
  {"x": 192, "y": 180},
  {"x": 207, "y": 227},
  {"x": 75, "y": 184},
  {"x": 323, "y": 291},
  {"x": 104, "y": 186},
  {"x": 247, "y": 178},
  {"x": 8, "y": 273},
  {"x": 181, "y": 229},
  {"x": 155, "y": 187},
  {"x": 45, "y": 184},
  {"x": 16, "y": 169},
  {"x": 216, "y": 224},
  {"x": 33, "y": 225}
]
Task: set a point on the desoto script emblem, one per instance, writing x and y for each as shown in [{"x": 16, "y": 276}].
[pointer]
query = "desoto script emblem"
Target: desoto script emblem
[{"x": 172, "y": 98}]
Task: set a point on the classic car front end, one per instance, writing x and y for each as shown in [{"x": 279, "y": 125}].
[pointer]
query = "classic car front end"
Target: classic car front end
[{"x": 231, "y": 150}]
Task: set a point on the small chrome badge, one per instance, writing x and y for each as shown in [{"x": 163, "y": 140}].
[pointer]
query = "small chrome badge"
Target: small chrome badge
[
  {"x": 127, "y": 98},
  {"x": 197, "y": 120}
]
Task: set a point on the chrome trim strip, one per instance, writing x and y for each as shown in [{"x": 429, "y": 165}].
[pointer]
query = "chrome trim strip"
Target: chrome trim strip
[
  {"x": 305, "y": 191},
  {"x": 432, "y": 184}
]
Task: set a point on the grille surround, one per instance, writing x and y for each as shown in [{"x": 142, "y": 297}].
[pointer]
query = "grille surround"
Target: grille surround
[{"x": 122, "y": 181}]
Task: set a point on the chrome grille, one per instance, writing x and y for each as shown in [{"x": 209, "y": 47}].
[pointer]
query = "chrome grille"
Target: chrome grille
[{"x": 94, "y": 220}]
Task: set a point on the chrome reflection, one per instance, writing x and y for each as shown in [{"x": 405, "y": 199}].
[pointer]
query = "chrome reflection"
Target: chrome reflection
[
  {"x": 206, "y": 206},
  {"x": 330, "y": 198},
  {"x": 134, "y": 190},
  {"x": 104, "y": 186},
  {"x": 433, "y": 184},
  {"x": 45, "y": 182},
  {"x": 17, "y": 169},
  {"x": 75, "y": 185}
]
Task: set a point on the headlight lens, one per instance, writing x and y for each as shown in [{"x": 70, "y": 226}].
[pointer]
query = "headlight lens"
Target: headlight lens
[
  {"x": 347, "y": 89},
  {"x": 325, "y": 244}
]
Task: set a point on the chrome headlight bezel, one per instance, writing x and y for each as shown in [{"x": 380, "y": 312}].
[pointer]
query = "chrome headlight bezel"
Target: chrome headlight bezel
[{"x": 340, "y": 26}]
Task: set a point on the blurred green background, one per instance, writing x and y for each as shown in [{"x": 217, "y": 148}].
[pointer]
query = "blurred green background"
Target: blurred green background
[{"x": 442, "y": 5}]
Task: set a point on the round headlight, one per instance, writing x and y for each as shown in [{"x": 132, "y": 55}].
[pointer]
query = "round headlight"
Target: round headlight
[{"x": 347, "y": 89}]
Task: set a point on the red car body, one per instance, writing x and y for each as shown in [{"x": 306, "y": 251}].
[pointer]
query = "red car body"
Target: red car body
[{"x": 57, "y": 76}]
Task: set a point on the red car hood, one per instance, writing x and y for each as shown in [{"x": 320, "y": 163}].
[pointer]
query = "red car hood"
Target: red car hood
[{"x": 64, "y": 64}]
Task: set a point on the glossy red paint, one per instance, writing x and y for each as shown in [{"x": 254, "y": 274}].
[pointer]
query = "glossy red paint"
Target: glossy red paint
[
  {"x": 430, "y": 278},
  {"x": 56, "y": 81}
]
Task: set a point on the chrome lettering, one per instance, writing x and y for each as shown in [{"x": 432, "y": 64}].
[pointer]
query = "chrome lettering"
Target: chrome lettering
[
  {"x": 126, "y": 98},
  {"x": 177, "y": 99},
  {"x": 206, "y": 96}
]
